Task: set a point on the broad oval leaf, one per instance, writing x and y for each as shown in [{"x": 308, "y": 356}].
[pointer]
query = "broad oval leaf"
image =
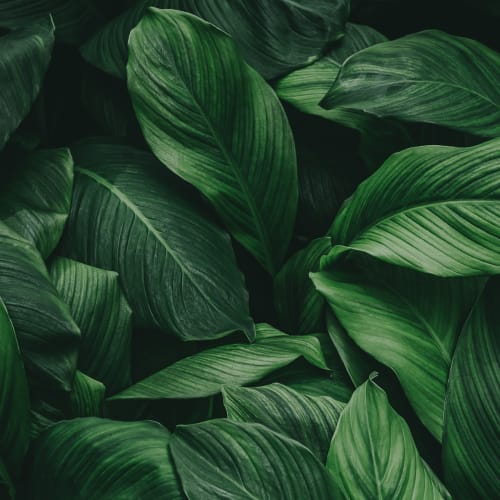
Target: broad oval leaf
[
  {"x": 100, "y": 459},
  {"x": 310, "y": 420},
  {"x": 408, "y": 321},
  {"x": 213, "y": 121},
  {"x": 471, "y": 427},
  {"x": 205, "y": 373},
  {"x": 104, "y": 317},
  {"x": 435, "y": 209},
  {"x": 428, "y": 77},
  {"x": 176, "y": 267},
  {"x": 14, "y": 398},
  {"x": 36, "y": 197},
  {"x": 222, "y": 459},
  {"x": 24, "y": 58},
  {"x": 372, "y": 454},
  {"x": 47, "y": 335},
  {"x": 273, "y": 36}
]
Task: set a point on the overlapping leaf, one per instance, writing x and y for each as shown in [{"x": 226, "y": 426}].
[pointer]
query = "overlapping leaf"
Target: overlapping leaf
[
  {"x": 373, "y": 455},
  {"x": 223, "y": 459},
  {"x": 213, "y": 120},
  {"x": 176, "y": 267},
  {"x": 100, "y": 459},
  {"x": 274, "y": 37},
  {"x": 430, "y": 77},
  {"x": 87, "y": 396},
  {"x": 24, "y": 58},
  {"x": 472, "y": 422},
  {"x": 432, "y": 208}
]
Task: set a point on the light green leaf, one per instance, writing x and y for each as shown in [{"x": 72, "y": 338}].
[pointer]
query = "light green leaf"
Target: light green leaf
[
  {"x": 176, "y": 267},
  {"x": 220, "y": 459},
  {"x": 47, "y": 335},
  {"x": 373, "y": 455},
  {"x": 87, "y": 396},
  {"x": 203, "y": 374},
  {"x": 408, "y": 321},
  {"x": 213, "y": 121},
  {"x": 274, "y": 37},
  {"x": 100, "y": 459},
  {"x": 306, "y": 419},
  {"x": 24, "y": 58},
  {"x": 299, "y": 307},
  {"x": 429, "y": 77},
  {"x": 14, "y": 399},
  {"x": 472, "y": 416},
  {"x": 104, "y": 317},
  {"x": 435, "y": 209},
  {"x": 36, "y": 197}
]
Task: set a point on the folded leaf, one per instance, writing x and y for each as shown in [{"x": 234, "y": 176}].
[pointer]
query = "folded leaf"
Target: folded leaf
[
  {"x": 100, "y": 459},
  {"x": 470, "y": 443},
  {"x": 429, "y": 77},
  {"x": 223, "y": 459},
  {"x": 274, "y": 37},
  {"x": 310, "y": 420},
  {"x": 372, "y": 454},
  {"x": 87, "y": 396},
  {"x": 24, "y": 58},
  {"x": 36, "y": 197},
  {"x": 176, "y": 267},
  {"x": 47, "y": 335},
  {"x": 406, "y": 320},
  {"x": 103, "y": 315},
  {"x": 204, "y": 374},
  {"x": 14, "y": 399},
  {"x": 213, "y": 121},
  {"x": 432, "y": 208}
]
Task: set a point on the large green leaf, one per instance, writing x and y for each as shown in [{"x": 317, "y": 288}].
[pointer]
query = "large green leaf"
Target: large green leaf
[
  {"x": 213, "y": 120},
  {"x": 87, "y": 396},
  {"x": 100, "y": 459},
  {"x": 273, "y": 36},
  {"x": 220, "y": 459},
  {"x": 204, "y": 374},
  {"x": 373, "y": 455},
  {"x": 36, "y": 197},
  {"x": 428, "y": 77},
  {"x": 472, "y": 417},
  {"x": 408, "y": 321},
  {"x": 46, "y": 332},
  {"x": 176, "y": 267},
  {"x": 431, "y": 208},
  {"x": 24, "y": 58},
  {"x": 14, "y": 398},
  {"x": 104, "y": 317},
  {"x": 310, "y": 420},
  {"x": 298, "y": 304}
]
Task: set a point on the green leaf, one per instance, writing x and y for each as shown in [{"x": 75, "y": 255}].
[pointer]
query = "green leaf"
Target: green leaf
[
  {"x": 36, "y": 197},
  {"x": 429, "y": 77},
  {"x": 87, "y": 396},
  {"x": 176, "y": 267},
  {"x": 213, "y": 120},
  {"x": 104, "y": 317},
  {"x": 470, "y": 452},
  {"x": 205, "y": 373},
  {"x": 274, "y": 37},
  {"x": 222, "y": 459},
  {"x": 100, "y": 459},
  {"x": 298, "y": 305},
  {"x": 6, "y": 486},
  {"x": 435, "y": 209},
  {"x": 46, "y": 332},
  {"x": 306, "y": 419},
  {"x": 14, "y": 399},
  {"x": 24, "y": 58},
  {"x": 408, "y": 321},
  {"x": 372, "y": 454}
]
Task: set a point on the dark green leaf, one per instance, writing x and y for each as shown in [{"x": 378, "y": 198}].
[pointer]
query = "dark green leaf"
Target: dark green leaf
[
  {"x": 6, "y": 486},
  {"x": 87, "y": 396},
  {"x": 213, "y": 120}
]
